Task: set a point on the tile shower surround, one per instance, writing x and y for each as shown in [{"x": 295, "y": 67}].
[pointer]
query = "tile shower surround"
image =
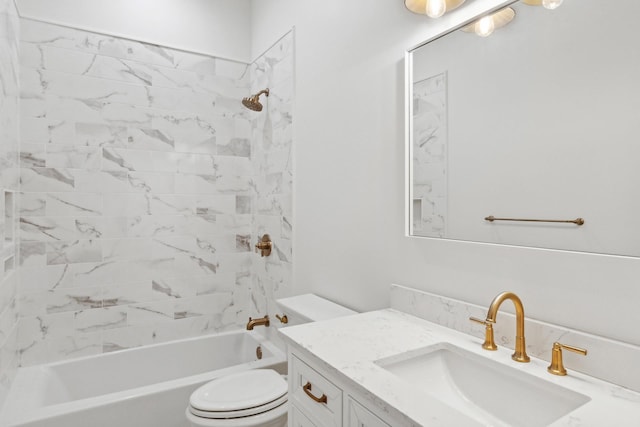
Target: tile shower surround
[
  {"x": 9, "y": 185},
  {"x": 145, "y": 184},
  {"x": 430, "y": 170}
]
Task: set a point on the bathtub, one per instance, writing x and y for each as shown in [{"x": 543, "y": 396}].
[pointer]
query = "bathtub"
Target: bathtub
[{"x": 140, "y": 387}]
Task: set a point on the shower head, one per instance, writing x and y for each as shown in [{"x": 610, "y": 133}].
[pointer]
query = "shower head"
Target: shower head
[{"x": 253, "y": 102}]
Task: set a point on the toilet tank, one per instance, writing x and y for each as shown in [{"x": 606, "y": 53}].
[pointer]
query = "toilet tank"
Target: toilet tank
[{"x": 309, "y": 308}]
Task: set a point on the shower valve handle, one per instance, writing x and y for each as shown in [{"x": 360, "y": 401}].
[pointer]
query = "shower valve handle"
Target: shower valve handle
[{"x": 264, "y": 245}]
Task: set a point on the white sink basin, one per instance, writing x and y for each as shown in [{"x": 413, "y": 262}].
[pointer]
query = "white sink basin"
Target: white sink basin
[{"x": 488, "y": 391}]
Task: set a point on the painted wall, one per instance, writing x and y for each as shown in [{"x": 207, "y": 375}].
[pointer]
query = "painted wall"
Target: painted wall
[
  {"x": 9, "y": 186},
  {"x": 215, "y": 27},
  {"x": 350, "y": 182},
  {"x": 144, "y": 180}
]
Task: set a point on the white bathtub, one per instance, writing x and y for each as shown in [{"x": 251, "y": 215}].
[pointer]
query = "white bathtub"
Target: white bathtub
[{"x": 140, "y": 387}]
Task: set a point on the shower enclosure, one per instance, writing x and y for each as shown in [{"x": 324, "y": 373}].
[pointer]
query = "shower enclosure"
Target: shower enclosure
[{"x": 143, "y": 185}]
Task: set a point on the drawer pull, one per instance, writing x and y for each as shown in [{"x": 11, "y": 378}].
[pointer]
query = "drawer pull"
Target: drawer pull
[{"x": 307, "y": 390}]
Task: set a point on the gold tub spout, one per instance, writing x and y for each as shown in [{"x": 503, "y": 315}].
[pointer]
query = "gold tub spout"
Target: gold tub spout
[
  {"x": 262, "y": 321},
  {"x": 520, "y": 354}
]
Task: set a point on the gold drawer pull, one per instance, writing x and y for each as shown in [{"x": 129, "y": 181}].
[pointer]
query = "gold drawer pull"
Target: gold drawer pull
[{"x": 307, "y": 389}]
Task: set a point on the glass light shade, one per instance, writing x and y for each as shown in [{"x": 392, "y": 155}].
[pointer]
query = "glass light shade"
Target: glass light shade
[
  {"x": 551, "y": 4},
  {"x": 485, "y": 26},
  {"x": 435, "y": 8}
]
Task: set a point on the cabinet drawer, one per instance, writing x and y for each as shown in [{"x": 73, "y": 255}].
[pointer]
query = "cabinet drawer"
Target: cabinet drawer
[
  {"x": 359, "y": 416},
  {"x": 315, "y": 395},
  {"x": 298, "y": 419}
]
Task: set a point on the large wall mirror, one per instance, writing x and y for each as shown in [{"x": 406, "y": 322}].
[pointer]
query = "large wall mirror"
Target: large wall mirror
[{"x": 540, "y": 120}]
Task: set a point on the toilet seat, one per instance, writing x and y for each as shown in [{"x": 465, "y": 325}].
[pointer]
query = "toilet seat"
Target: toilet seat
[
  {"x": 252, "y": 393},
  {"x": 240, "y": 413}
]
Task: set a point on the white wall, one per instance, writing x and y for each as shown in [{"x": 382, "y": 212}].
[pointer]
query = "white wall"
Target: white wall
[
  {"x": 349, "y": 195},
  {"x": 215, "y": 27}
]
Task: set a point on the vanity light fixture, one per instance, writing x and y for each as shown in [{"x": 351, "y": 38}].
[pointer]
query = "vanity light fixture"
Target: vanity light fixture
[
  {"x": 547, "y": 4},
  {"x": 432, "y": 8},
  {"x": 486, "y": 25}
]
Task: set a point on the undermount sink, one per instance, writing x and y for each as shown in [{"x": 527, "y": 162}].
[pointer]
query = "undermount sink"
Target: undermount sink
[{"x": 488, "y": 391}]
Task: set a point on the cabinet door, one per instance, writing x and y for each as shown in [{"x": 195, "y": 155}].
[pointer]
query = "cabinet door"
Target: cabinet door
[
  {"x": 359, "y": 416},
  {"x": 298, "y": 419},
  {"x": 314, "y": 394}
]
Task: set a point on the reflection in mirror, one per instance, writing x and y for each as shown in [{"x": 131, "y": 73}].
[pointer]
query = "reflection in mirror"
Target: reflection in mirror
[{"x": 538, "y": 121}]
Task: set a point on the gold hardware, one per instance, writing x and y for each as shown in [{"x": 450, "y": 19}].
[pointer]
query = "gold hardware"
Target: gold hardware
[
  {"x": 557, "y": 367},
  {"x": 253, "y": 102},
  {"x": 307, "y": 390},
  {"x": 577, "y": 221},
  {"x": 520, "y": 354},
  {"x": 257, "y": 322},
  {"x": 264, "y": 245},
  {"x": 489, "y": 342},
  {"x": 283, "y": 319},
  {"x": 259, "y": 352}
]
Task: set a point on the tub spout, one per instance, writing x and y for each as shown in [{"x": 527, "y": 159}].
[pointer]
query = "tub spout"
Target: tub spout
[{"x": 263, "y": 321}]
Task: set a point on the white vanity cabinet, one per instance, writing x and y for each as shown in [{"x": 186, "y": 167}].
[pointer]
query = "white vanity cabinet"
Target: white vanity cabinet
[
  {"x": 318, "y": 400},
  {"x": 359, "y": 416}
]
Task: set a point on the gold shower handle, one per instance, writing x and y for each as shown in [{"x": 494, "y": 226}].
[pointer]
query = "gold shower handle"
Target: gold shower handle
[{"x": 264, "y": 245}]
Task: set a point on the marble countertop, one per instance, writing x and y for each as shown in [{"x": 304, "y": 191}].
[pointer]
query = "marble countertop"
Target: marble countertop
[{"x": 349, "y": 346}]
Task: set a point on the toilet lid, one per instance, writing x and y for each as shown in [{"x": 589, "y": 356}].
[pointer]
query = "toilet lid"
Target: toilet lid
[{"x": 241, "y": 394}]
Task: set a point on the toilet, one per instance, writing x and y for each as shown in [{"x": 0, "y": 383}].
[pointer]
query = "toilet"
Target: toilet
[{"x": 257, "y": 397}]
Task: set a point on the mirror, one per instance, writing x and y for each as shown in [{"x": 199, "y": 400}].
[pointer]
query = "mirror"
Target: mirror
[{"x": 540, "y": 120}]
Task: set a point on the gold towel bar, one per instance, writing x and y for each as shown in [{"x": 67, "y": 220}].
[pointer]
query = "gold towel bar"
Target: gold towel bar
[{"x": 577, "y": 221}]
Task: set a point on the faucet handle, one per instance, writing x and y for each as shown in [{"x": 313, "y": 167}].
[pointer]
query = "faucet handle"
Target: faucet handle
[
  {"x": 557, "y": 367},
  {"x": 482, "y": 322},
  {"x": 489, "y": 342}
]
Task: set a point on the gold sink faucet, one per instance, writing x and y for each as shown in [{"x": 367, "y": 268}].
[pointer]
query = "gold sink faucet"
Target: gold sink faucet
[
  {"x": 520, "y": 354},
  {"x": 257, "y": 322}
]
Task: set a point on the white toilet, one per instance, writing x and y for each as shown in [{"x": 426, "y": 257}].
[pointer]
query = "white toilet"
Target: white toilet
[{"x": 258, "y": 397}]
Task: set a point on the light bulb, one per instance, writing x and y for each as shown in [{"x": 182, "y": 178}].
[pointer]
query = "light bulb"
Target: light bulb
[
  {"x": 435, "y": 8},
  {"x": 485, "y": 26},
  {"x": 551, "y": 4}
]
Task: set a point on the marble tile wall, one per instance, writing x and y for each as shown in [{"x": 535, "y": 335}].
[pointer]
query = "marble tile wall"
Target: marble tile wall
[
  {"x": 429, "y": 172},
  {"x": 9, "y": 186},
  {"x": 140, "y": 189},
  {"x": 271, "y": 145},
  {"x": 606, "y": 359}
]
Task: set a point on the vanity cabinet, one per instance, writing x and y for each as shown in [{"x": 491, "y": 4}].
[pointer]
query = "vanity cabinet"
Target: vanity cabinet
[
  {"x": 318, "y": 400},
  {"x": 359, "y": 416},
  {"x": 314, "y": 395}
]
